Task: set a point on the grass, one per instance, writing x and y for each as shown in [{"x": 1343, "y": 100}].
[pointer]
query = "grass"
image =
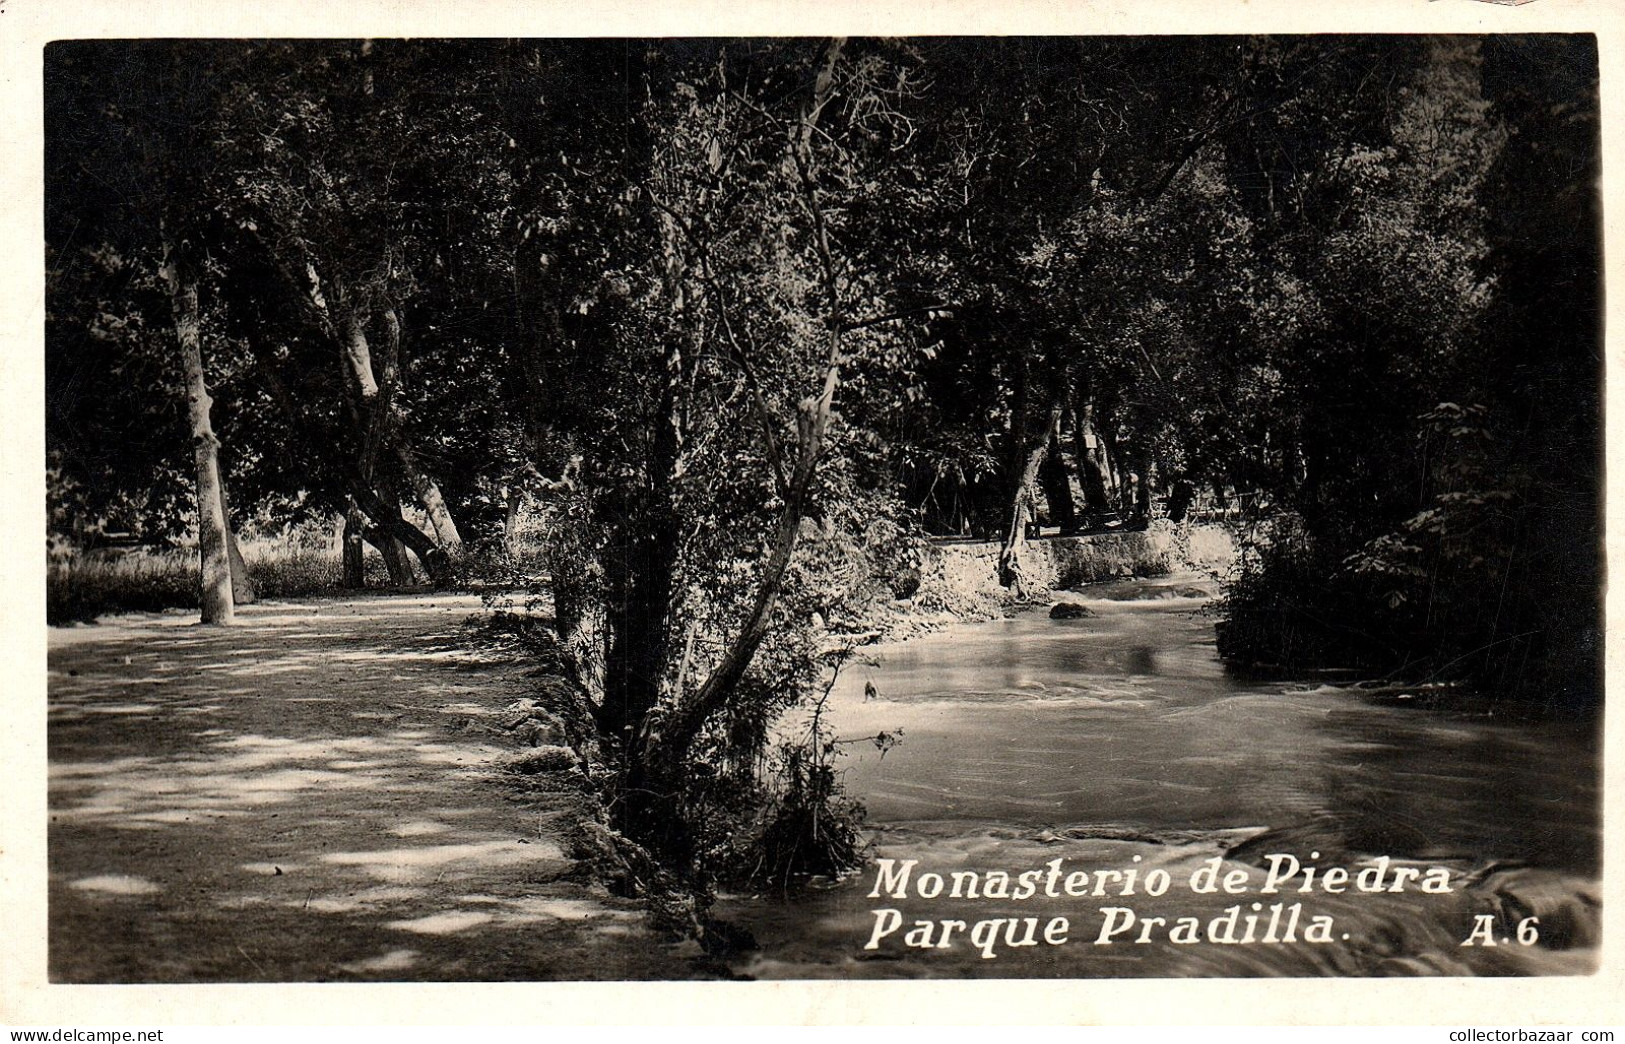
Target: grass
[{"x": 82, "y": 587}]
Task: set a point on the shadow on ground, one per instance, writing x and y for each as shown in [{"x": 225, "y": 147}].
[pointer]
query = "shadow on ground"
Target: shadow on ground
[{"x": 308, "y": 796}]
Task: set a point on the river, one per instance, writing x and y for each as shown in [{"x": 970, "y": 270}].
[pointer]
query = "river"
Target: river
[{"x": 1118, "y": 742}]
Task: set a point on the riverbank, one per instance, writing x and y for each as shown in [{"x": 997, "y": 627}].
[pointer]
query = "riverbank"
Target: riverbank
[
  {"x": 353, "y": 788},
  {"x": 959, "y": 580}
]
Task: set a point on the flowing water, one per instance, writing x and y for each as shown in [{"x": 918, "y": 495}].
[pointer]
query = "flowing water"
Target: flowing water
[{"x": 1118, "y": 742}]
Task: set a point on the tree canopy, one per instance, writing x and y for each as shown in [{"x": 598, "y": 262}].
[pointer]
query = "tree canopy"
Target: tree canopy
[{"x": 749, "y": 320}]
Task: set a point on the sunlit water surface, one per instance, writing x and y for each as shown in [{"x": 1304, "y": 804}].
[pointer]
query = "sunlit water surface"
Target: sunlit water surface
[{"x": 1120, "y": 741}]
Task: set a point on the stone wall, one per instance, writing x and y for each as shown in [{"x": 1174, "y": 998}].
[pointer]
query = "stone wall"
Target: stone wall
[{"x": 962, "y": 579}]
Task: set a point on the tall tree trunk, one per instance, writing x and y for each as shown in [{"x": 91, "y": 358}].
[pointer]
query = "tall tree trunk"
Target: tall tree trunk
[
  {"x": 667, "y": 737},
  {"x": 357, "y": 356},
  {"x": 1113, "y": 464},
  {"x": 637, "y": 612},
  {"x": 1018, "y": 441},
  {"x": 641, "y": 578},
  {"x": 514, "y": 496},
  {"x": 640, "y": 583},
  {"x": 1037, "y": 446},
  {"x": 376, "y": 416},
  {"x": 214, "y": 593},
  {"x": 1148, "y": 483},
  {"x": 668, "y": 740},
  {"x": 396, "y": 558},
  {"x": 386, "y": 414}
]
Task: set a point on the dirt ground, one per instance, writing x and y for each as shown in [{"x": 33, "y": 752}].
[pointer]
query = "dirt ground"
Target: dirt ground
[{"x": 311, "y": 795}]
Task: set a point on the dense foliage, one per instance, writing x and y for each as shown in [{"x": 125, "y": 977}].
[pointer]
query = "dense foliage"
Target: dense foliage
[{"x": 745, "y": 321}]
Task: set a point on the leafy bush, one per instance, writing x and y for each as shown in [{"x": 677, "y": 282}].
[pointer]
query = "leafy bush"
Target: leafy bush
[
  {"x": 1288, "y": 608},
  {"x": 808, "y": 827}
]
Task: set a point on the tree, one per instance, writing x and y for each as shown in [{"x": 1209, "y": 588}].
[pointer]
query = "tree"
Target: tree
[
  {"x": 1490, "y": 562},
  {"x": 719, "y": 327},
  {"x": 214, "y": 533},
  {"x": 743, "y": 318},
  {"x": 1063, "y": 204},
  {"x": 1406, "y": 510},
  {"x": 145, "y": 223},
  {"x": 359, "y": 196}
]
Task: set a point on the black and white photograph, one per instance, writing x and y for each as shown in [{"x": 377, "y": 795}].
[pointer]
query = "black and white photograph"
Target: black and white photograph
[{"x": 743, "y": 507}]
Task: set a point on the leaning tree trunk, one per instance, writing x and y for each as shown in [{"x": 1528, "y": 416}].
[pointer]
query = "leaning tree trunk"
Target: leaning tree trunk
[
  {"x": 514, "y": 497},
  {"x": 387, "y": 514},
  {"x": 376, "y": 420},
  {"x": 1136, "y": 494},
  {"x": 641, "y": 577},
  {"x": 214, "y": 593},
  {"x": 434, "y": 502},
  {"x": 243, "y": 591},
  {"x": 1015, "y": 538}
]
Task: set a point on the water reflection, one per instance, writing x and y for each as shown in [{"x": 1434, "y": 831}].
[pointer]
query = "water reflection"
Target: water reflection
[{"x": 1039, "y": 737}]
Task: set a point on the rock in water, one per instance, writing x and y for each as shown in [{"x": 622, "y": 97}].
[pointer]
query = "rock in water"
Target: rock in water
[{"x": 1069, "y": 611}]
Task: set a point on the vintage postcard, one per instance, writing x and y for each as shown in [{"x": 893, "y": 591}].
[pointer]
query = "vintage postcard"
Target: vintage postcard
[{"x": 743, "y": 514}]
